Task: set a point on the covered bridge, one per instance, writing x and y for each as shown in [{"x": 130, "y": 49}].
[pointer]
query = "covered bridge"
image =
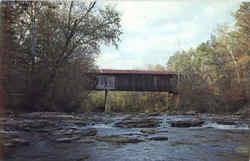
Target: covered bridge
[{"x": 136, "y": 80}]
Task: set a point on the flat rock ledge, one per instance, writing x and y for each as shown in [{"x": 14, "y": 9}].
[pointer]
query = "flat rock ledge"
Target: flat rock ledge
[
  {"x": 159, "y": 138},
  {"x": 137, "y": 123},
  {"x": 118, "y": 139},
  {"x": 187, "y": 123}
]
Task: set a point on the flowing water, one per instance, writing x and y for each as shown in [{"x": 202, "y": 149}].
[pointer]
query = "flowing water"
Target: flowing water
[{"x": 212, "y": 141}]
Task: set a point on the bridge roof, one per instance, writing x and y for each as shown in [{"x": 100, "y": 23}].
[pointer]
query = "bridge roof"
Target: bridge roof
[{"x": 147, "y": 72}]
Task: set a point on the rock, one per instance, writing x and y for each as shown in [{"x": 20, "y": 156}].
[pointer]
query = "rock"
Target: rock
[
  {"x": 67, "y": 140},
  {"x": 244, "y": 110},
  {"x": 226, "y": 122},
  {"x": 133, "y": 134},
  {"x": 162, "y": 131},
  {"x": 74, "y": 131},
  {"x": 65, "y": 132},
  {"x": 35, "y": 125},
  {"x": 191, "y": 113},
  {"x": 191, "y": 123},
  {"x": 137, "y": 123},
  {"x": 152, "y": 131},
  {"x": 159, "y": 138},
  {"x": 86, "y": 141},
  {"x": 78, "y": 122},
  {"x": 18, "y": 141},
  {"x": 118, "y": 139},
  {"x": 82, "y": 158},
  {"x": 242, "y": 150},
  {"x": 89, "y": 132},
  {"x": 149, "y": 131},
  {"x": 9, "y": 145},
  {"x": 154, "y": 114}
]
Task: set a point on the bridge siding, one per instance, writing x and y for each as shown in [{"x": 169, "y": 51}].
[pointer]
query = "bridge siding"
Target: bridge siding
[{"x": 143, "y": 82}]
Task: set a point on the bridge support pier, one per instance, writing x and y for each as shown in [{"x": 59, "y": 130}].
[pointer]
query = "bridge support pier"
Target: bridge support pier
[
  {"x": 176, "y": 98},
  {"x": 107, "y": 108}
]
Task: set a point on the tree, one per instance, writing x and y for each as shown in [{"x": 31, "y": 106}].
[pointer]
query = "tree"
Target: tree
[
  {"x": 68, "y": 36},
  {"x": 216, "y": 72},
  {"x": 242, "y": 36}
]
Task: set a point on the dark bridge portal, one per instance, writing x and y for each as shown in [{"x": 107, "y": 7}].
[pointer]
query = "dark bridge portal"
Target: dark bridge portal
[{"x": 135, "y": 80}]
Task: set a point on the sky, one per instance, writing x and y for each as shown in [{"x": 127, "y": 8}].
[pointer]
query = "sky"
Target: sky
[{"x": 153, "y": 30}]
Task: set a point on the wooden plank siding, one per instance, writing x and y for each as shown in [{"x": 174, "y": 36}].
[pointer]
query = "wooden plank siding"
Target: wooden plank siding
[{"x": 130, "y": 80}]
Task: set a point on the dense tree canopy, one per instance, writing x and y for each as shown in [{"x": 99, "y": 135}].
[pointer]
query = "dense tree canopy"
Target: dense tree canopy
[
  {"x": 217, "y": 70},
  {"x": 54, "y": 44}
]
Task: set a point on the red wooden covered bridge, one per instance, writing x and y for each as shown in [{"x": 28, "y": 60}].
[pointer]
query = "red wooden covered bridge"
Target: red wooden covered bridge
[{"x": 135, "y": 80}]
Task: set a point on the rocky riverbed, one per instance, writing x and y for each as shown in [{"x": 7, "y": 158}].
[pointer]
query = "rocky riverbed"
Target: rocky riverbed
[{"x": 123, "y": 137}]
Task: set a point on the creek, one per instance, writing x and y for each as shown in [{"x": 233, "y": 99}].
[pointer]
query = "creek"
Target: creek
[{"x": 97, "y": 137}]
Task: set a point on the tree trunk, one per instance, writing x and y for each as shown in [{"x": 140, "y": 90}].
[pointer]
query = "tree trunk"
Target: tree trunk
[{"x": 4, "y": 42}]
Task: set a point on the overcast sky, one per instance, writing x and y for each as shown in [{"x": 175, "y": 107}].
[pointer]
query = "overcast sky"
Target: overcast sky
[{"x": 153, "y": 30}]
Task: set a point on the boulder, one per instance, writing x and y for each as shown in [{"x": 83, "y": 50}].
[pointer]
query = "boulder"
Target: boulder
[
  {"x": 152, "y": 131},
  {"x": 134, "y": 134},
  {"x": 89, "y": 132},
  {"x": 67, "y": 139},
  {"x": 187, "y": 123},
  {"x": 159, "y": 138},
  {"x": 222, "y": 122},
  {"x": 19, "y": 141},
  {"x": 149, "y": 131},
  {"x": 137, "y": 123}
]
